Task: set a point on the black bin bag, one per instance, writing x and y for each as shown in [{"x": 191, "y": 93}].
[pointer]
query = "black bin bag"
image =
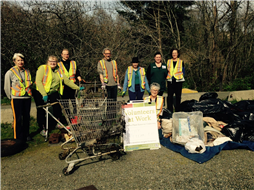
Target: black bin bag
[
  {"x": 240, "y": 131},
  {"x": 217, "y": 109},
  {"x": 166, "y": 114},
  {"x": 186, "y": 106},
  {"x": 245, "y": 105},
  {"x": 208, "y": 95}
]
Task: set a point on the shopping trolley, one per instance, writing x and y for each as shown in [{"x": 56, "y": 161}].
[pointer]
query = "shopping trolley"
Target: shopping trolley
[
  {"x": 92, "y": 90},
  {"x": 93, "y": 124}
]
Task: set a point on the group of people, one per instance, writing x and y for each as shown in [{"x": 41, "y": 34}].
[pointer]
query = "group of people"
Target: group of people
[
  {"x": 136, "y": 79},
  {"x": 53, "y": 79},
  {"x": 57, "y": 79}
]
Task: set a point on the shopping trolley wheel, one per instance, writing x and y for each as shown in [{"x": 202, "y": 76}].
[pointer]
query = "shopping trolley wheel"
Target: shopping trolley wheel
[
  {"x": 69, "y": 169},
  {"x": 65, "y": 171},
  {"x": 116, "y": 155},
  {"x": 62, "y": 156}
]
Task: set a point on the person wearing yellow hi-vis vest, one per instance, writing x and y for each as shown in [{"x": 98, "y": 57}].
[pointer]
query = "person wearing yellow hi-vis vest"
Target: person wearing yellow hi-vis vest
[
  {"x": 70, "y": 70},
  {"x": 49, "y": 85},
  {"x": 17, "y": 84},
  {"x": 154, "y": 97},
  {"x": 175, "y": 79},
  {"x": 107, "y": 69},
  {"x": 136, "y": 81}
]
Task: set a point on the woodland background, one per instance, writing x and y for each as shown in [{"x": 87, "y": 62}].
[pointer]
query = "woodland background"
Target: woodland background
[{"x": 216, "y": 38}]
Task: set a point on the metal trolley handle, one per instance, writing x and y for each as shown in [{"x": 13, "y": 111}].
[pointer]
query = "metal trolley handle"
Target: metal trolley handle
[
  {"x": 46, "y": 107},
  {"x": 78, "y": 92}
]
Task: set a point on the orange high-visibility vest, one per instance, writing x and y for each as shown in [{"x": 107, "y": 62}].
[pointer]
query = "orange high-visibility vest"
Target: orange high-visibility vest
[
  {"x": 177, "y": 72},
  {"x": 105, "y": 71},
  {"x": 142, "y": 76},
  {"x": 72, "y": 71},
  {"x": 47, "y": 78},
  {"x": 21, "y": 89},
  {"x": 159, "y": 104}
]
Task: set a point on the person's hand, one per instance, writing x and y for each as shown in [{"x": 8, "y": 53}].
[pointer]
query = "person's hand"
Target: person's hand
[
  {"x": 158, "y": 124},
  {"x": 123, "y": 94},
  {"x": 45, "y": 98},
  {"x": 81, "y": 88},
  {"x": 79, "y": 78},
  {"x": 119, "y": 88},
  {"x": 103, "y": 86}
]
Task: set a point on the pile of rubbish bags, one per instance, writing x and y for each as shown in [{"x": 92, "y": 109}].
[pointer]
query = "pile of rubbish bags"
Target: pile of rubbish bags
[{"x": 238, "y": 117}]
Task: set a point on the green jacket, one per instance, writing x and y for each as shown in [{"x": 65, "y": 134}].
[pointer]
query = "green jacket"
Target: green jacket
[
  {"x": 157, "y": 74},
  {"x": 55, "y": 84}
]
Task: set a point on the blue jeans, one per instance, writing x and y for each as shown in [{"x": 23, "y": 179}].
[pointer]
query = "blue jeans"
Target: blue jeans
[{"x": 137, "y": 95}]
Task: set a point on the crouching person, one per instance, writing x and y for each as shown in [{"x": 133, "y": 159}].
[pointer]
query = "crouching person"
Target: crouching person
[
  {"x": 154, "y": 97},
  {"x": 49, "y": 84}
]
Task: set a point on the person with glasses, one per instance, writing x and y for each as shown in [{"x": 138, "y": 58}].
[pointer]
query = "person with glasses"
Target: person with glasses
[
  {"x": 17, "y": 83},
  {"x": 157, "y": 99},
  {"x": 107, "y": 69},
  {"x": 49, "y": 84},
  {"x": 70, "y": 70},
  {"x": 175, "y": 79}
]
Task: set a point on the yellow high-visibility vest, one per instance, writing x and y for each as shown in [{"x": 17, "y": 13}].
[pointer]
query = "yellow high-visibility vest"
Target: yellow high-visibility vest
[
  {"x": 47, "y": 78},
  {"x": 159, "y": 104},
  {"x": 72, "y": 71},
  {"x": 21, "y": 89},
  {"x": 105, "y": 71},
  {"x": 142, "y": 76},
  {"x": 177, "y": 72}
]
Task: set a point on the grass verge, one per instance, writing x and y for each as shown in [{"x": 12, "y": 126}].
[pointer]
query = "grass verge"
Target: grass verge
[{"x": 34, "y": 131}]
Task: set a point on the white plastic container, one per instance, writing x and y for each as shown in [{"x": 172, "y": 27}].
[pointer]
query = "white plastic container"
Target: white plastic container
[{"x": 187, "y": 125}]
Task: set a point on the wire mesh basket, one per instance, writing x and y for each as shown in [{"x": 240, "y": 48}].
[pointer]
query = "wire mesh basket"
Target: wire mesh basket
[
  {"x": 92, "y": 90},
  {"x": 92, "y": 119}
]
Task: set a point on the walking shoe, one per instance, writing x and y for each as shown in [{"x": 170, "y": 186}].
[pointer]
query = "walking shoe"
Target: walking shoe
[{"x": 43, "y": 133}]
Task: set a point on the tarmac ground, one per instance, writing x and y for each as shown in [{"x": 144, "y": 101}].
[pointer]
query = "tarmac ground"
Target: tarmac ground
[{"x": 39, "y": 167}]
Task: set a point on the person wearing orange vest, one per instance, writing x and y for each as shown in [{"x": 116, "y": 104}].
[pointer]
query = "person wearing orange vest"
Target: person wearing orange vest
[
  {"x": 159, "y": 100},
  {"x": 70, "y": 70},
  {"x": 17, "y": 84},
  {"x": 49, "y": 84},
  {"x": 175, "y": 79},
  {"x": 107, "y": 69},
  {"x": 136, "y": 81}
]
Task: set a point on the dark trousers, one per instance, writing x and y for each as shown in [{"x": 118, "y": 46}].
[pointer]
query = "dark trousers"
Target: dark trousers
[
  {"x": 21, "y": 116},
  {"x": 69, "y": 93},
  {"x": 137, "y": 95},
  {"x": 41, "y": 114},
  {"x": 174, "y": 88},
  {"x": 112, "y": 92},
  {"x": 111, "y": 104}
]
